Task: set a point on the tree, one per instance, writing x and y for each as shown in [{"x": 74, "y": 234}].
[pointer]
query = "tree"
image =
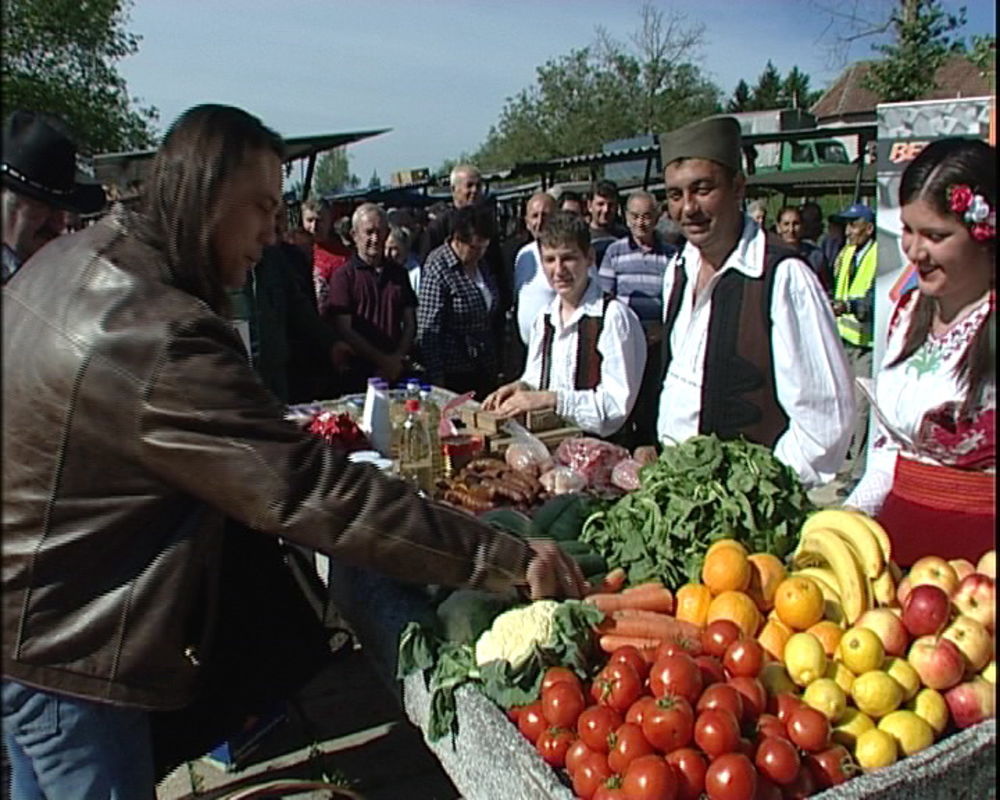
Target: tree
[
  {"x": 333, "y": 173},
  {"x": 923, "y": 41},
  {"x": 374, "y": 182},
  {"x": 795, "y": 91},
  {"x": 766, "y": 94},
  {"x": 59, "y": 57},
  {"x": 740, "y": 100},
  {"x": 608, "y": 90}
]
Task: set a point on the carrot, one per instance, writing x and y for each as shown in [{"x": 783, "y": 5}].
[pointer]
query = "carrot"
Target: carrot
[
  {"x": 613, "y": 581},
  {"x": 643, "y": 587},
  {"x": 611, "y": 642},
  {"x": 648, "y": 624},
  {"x": 646, "y": 597}
]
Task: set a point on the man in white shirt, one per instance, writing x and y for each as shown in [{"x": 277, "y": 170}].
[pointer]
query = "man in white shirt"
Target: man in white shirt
[
  {"x": 750, "y": 344},
  {"x": 586, "y": 350},
  {"x": 532, "y": 291}
]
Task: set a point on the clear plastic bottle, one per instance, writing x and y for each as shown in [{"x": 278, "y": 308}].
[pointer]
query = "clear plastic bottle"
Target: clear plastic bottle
[
  {"x": 432, "y": 415},
  {"x": 415, "y": 449}
]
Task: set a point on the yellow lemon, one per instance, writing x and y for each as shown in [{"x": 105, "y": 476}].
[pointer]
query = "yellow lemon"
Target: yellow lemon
[
  {"x": 912, "y": 734},
  {"x": 989, "y": 672},
  {"x": 805, "y": 658},
  {"x": 875, "y": 749},
  {"x": 851, "y": 725},
  {"x": 774, "y": 678},
  {"x": 841, "y": 674},
  {"x": 876, "y": 693},
  {"x": 827, "y": 697},
  {"x": 930, "y": 706},
  {"x": 904, "y": 674},
  {"x": 860, "y": 650}
]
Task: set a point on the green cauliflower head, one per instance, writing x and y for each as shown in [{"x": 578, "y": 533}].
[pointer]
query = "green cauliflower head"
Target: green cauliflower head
[{"x": 515, "y": 634}]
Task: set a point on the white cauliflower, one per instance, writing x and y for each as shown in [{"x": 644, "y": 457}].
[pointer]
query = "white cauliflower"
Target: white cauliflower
[{"x": 515, "y": 634}]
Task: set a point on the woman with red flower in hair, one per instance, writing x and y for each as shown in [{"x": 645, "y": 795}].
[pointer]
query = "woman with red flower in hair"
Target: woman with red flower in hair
[{"x": 930, "y": 478}]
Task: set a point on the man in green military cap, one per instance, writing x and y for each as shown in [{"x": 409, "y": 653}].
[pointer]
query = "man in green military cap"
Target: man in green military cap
[{"x": 750, "y": 346}]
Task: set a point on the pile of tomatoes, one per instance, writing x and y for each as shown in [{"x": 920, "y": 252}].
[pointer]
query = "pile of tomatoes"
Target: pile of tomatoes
[{"x": 694, "y": 720}]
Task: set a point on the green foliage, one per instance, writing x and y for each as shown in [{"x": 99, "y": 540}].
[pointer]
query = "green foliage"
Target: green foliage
[
  {"x": 333, "y": 173},
  {"x": 773, "y": 91},
  {"x": 59, "y": 57},
  {"x": 740, "y": 101},
  {"x": 795, "y": 91},
  {"x": 923, "y": 40},
  {"x": 766, "y": 92},
  {"x": 605, "y": 91},
  {"x": 983, "y": 54}
]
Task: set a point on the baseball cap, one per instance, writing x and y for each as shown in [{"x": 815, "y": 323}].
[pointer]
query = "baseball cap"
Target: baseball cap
[{"x": 858, "y": 211}]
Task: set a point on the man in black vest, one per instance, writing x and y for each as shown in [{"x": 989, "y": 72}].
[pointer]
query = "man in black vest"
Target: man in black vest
[{"x": 750, "y": 347}]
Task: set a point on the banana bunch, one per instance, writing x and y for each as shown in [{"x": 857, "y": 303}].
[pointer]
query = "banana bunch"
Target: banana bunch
[{"x": 849, "y": 556}]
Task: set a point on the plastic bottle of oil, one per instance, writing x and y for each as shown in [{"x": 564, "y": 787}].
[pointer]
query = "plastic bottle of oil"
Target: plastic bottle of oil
[{"x": 415, "y": 449}]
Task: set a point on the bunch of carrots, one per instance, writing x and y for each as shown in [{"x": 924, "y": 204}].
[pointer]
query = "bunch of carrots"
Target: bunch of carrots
[{"x": 640, "y": 616}]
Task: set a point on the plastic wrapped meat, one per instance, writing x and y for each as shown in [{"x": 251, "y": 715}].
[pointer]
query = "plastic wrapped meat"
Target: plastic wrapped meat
[
  {"x": 562, "y": 480},
  {"x": 625, "y": 475},
  {"x": 528, "y": 455},
  {"x": 593, "y": 458}
]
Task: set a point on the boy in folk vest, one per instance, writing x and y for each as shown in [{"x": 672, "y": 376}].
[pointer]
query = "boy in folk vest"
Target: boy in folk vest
[
  {"x": 586, "y": 350},
  {"x": 750, "y": 346}
]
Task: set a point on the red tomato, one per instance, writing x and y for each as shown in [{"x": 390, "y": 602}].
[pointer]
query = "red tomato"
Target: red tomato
[
  {"x": 676, "y": 674},
  {"x": 595, "y": 724},
  {"x": 627, "y": 654},
  {"x": 718, "y": 635},
  {"x": 711, "y": 670},
  {"x": 690, "y": 766},
  {"x": 591, "y": 771},
  {"x": 754, "y": 697},
  {"x": 669, "y": 723},
  {"x": 787, "y": 703},
  {"x": 769, "y": 725},
  {"x": 809, "y": 729},
  {"x": 607, "y": 791},
  {"x": 716, "y": 732},
  {"x": 576, "y": 752},
  {"x": 638, "y": 710},
  {"x": 721, "y": 695},
  {"x": 744, "y": 657},
  {"x": 554, "y": 675},
  {"x": 553, "y": 745},
  {"x": 617, "y": 685},
  {"x": 531, "y": 723},
  {"x": 562, "y": 704},
  {"x": 748, "y": 747},
  {"x": 628, "y": 744},
  {"x": 691, "y": 647},
  {"x": 832, "y": 766},
  {"x": 778, "y": 760},
  {"x": 731, "y": 777},
  {"x": 803, "y": 785},
  {"x": 650, "y": 778},
  {"x": 513, "y": 713},
  {"x": 766, "y": 790}
]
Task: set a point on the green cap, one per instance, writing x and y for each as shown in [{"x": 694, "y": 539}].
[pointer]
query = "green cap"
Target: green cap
[{"x": 716, "y": 138}]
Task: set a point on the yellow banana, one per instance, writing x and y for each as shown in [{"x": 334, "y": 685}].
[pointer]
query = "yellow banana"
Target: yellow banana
[
  {"x": 878, "y": 531},
  {"x": 822, "y": 576},
  {"x": 833, "y": 606},
  {"x": 823, "y": 546},
  {"x": 855, "y": 532},
  {"x": 884, "y": 589}
]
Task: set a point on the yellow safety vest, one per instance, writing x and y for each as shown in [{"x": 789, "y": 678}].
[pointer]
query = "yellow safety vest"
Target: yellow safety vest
[{"x": 846, "y": 289}]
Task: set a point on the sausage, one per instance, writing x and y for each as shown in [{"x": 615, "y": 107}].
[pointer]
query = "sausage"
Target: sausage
[{"x": 466, "y": 501}]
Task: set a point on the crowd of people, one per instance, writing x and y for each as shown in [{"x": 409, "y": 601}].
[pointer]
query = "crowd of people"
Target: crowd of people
[{"x": 148, "y": 360}]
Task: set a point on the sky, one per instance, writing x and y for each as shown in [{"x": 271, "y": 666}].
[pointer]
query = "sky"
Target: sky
[{"x": 438, "y": 72}]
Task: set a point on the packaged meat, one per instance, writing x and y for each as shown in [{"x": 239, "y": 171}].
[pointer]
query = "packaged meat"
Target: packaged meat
[
  {"x": 526, "y": 452},
  {"x": 562, "y": 480},
  {"x": 593, "y": 458},
  {"x": 625, "y": 475}
]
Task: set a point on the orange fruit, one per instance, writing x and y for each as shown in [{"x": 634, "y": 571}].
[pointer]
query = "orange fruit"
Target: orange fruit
[
  {"x": 726, "y": 543},
  {"x": 773, "y": 636},
  {"x": 799, "y": 602},
  {"x": 766, "y": 573},
  {"x": 737, "y": 607},
  {"x": 726, "y": 569},
  {"x": 828, "y": 633},
  {"x": 692, "y": 603}
]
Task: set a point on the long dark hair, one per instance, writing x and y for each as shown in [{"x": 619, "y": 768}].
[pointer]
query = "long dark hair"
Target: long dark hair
[
  {"x": 929, "y": 176},
  {"x": 203, "y": 148}
]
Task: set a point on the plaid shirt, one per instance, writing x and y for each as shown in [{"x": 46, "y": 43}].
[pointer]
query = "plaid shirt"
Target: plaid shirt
[{"x": 454, "y": 325}]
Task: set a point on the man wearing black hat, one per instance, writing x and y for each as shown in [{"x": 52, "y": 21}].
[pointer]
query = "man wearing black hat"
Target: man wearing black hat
[
  {"x": 750, "y": 346},
  {"x": 39, "y": 186}
]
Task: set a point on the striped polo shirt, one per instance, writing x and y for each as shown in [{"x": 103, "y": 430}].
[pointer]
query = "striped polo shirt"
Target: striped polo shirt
[{"x": 635, "y": 276}]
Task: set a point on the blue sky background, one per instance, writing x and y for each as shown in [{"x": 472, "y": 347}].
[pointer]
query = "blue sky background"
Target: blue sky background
[{"x": 438, "y": 71}]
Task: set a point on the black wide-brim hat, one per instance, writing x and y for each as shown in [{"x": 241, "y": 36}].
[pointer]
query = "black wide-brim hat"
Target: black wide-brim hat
[{"x": 39, "y": 160}]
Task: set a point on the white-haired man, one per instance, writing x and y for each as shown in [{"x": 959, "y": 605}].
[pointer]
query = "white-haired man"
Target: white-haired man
[{"x": 372, "y": 303}]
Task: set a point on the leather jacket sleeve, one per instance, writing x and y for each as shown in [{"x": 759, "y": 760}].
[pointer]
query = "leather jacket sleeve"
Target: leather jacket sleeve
[{"x": 208, "y": 427}]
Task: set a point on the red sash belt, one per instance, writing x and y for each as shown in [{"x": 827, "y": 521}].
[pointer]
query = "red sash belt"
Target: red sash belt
[{"x": 945, "y": 488}]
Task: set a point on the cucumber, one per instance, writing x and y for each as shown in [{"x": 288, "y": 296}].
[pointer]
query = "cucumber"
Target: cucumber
[
  {"x": 509, "y": 520},
  {"x": 560, "y": 518},
  {"x": 591, "y": 563},
  {"x": 574, "y": 547}
]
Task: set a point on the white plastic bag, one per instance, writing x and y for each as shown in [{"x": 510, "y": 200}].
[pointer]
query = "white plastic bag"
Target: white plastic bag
[{"x": 526, "y": 453}]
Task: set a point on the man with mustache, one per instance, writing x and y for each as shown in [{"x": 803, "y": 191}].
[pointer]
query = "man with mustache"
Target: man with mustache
[
  {"x": 750, "y": 346},
  {"x": 39, "y": 186}
]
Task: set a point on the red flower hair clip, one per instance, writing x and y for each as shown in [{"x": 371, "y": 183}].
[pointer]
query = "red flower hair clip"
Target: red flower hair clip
[{"x": 974, "y": 210}]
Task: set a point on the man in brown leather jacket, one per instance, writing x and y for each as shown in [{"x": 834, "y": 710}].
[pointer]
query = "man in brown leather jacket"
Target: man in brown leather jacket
[{"x": 133, "y": 428}]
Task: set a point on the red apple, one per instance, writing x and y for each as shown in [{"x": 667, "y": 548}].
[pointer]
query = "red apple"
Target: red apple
[
  {"x": 936, "y": 571},
  {"x": 927, "y": 610},
  {"x": 971, "y": 702},
  {"x": 903, "y": 589},
  {"x": 962, "y": 567},
  {"x": 973, "y": 640},
  {"x": 988, "y": 564},
  {"x": 975, "y": 597},
  {"x": 888, "y": 627},
  {"x": 938, "y": 662}
]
